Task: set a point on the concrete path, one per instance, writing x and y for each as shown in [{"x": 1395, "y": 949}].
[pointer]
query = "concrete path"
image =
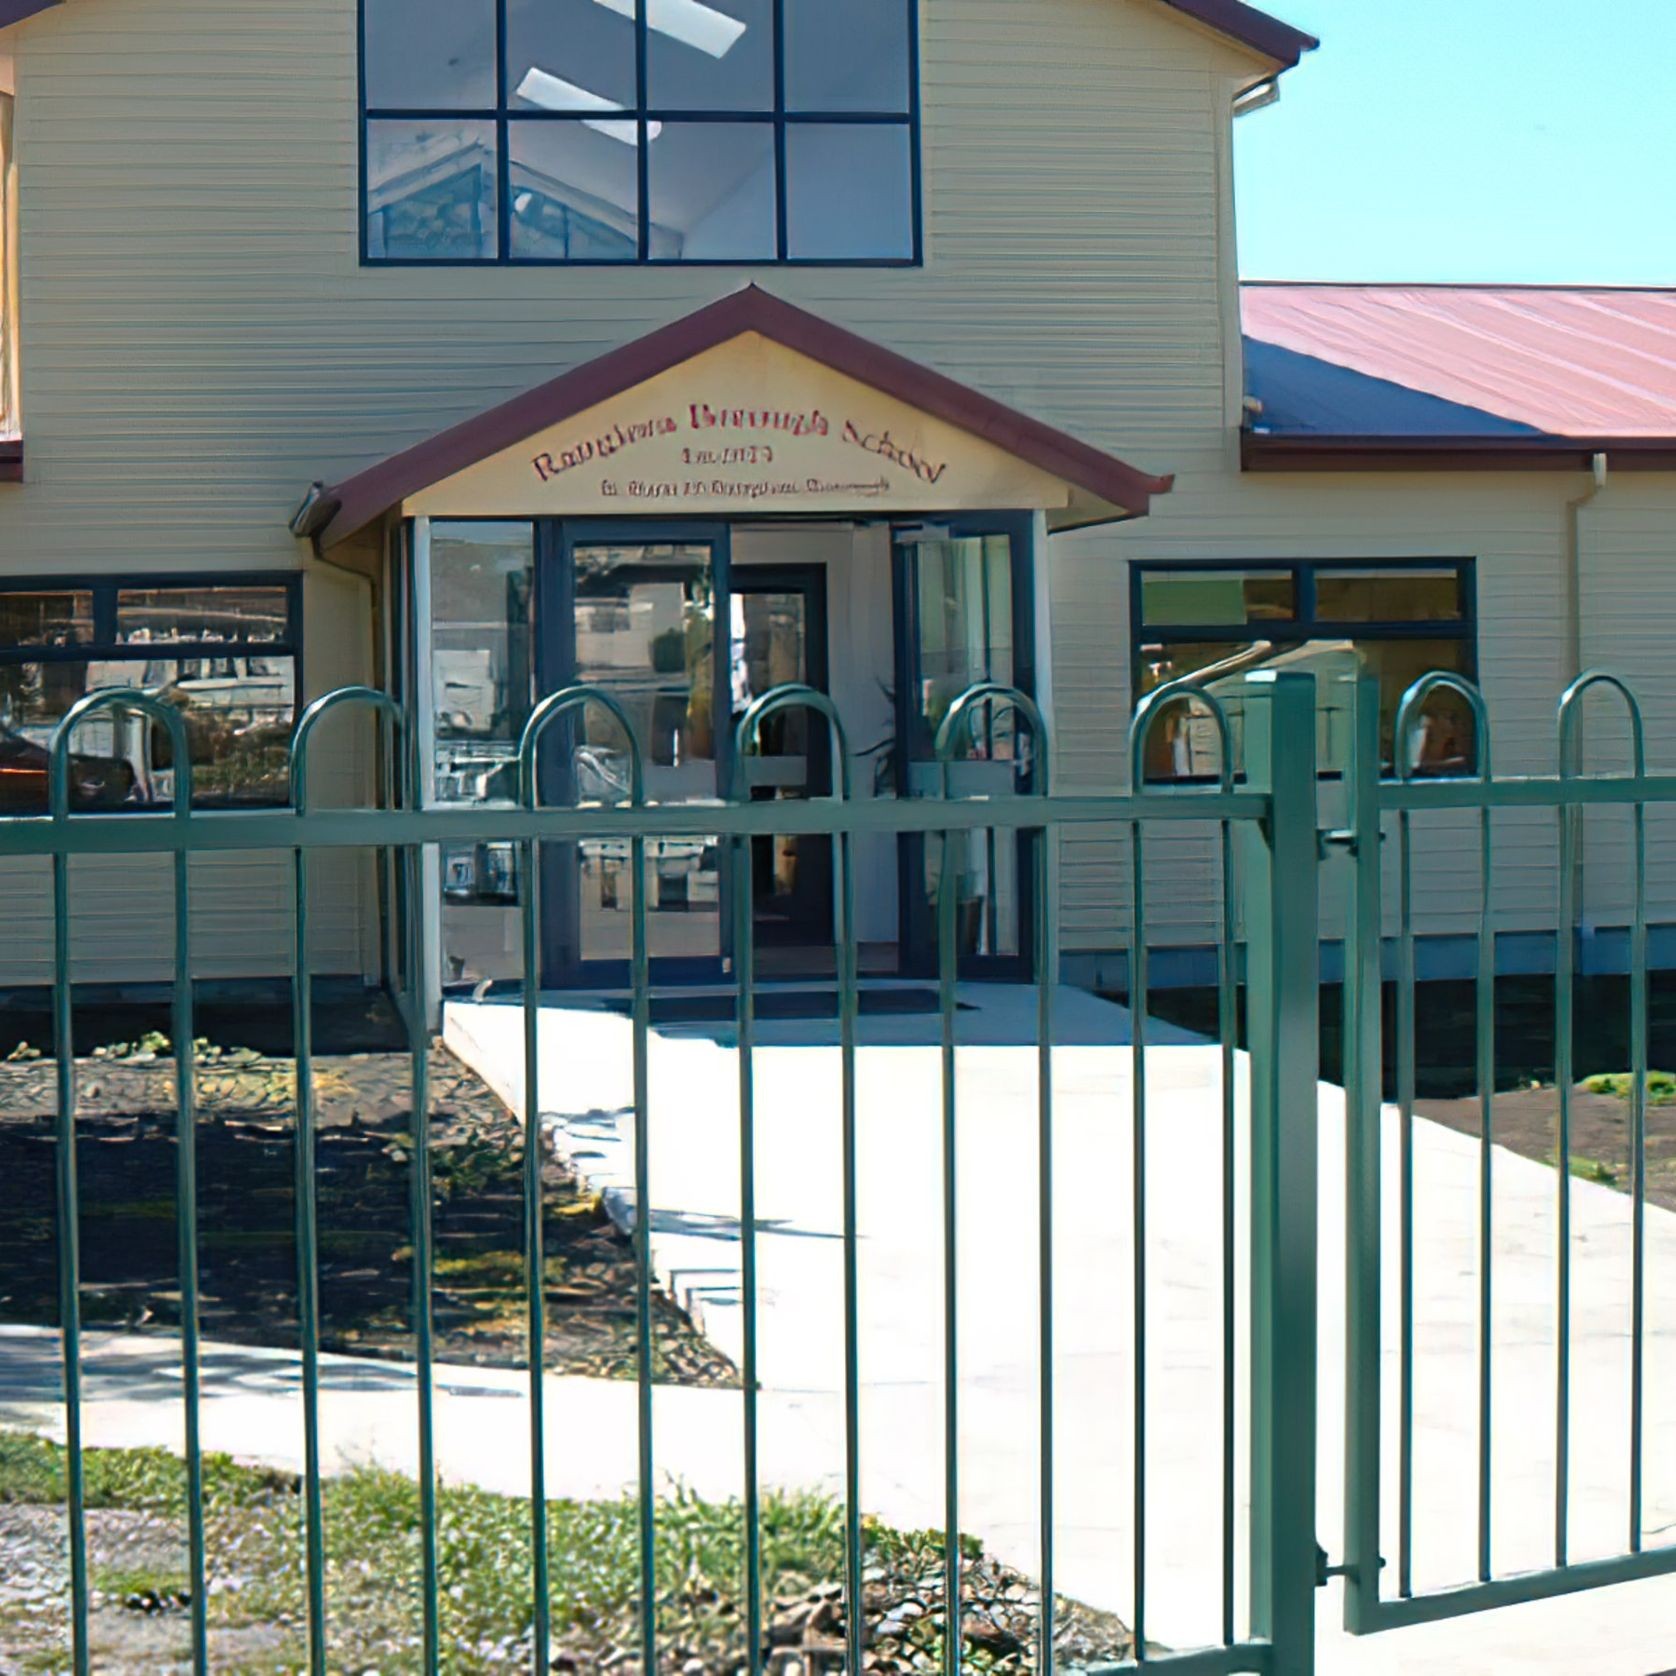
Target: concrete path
[
  {"x": 695, "y": 1198},
  {"x": 251, "y": 1406}
]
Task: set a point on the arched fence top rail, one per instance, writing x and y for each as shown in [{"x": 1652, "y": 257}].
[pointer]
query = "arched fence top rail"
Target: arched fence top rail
[
  {"x": 963, "y": 712},
  {"x": 345, "y": 698},
  {"x": 1184, "y": 691},
  {"x": 558, "y": 704},
  {"x": 1571, "y": 715},
  {"x": 166, "y": 716},
  {"x": 792, "y": 696},
  {"x": 1408, "y": 717}
]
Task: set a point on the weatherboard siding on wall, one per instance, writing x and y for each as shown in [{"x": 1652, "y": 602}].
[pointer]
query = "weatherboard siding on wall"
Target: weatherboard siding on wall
[
  {"x": 1513, "y": 525},
  {"x": 200, "y": 342}
]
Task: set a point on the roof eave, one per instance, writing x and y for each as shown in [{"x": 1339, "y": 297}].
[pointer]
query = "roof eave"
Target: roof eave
[
  {"x": 1260, "y": 452},
  {"x": 1252, "y": 28},
  {"x": 350, "y": 506},
  {"x": 19, "y": 11}
]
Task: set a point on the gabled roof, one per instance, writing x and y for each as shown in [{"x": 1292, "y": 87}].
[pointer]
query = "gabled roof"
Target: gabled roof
[
  {"x": 1233, "y": 18},
  {"x": 1250, "y": 27},
  {"x": 337, "y": 513},
  {"x": 1549, "y": 373}
]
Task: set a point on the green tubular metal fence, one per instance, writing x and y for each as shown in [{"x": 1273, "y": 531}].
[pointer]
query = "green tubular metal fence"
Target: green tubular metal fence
[
  {"x": 1403, "y": 799},
  {"x": 1267, "y": 841}
]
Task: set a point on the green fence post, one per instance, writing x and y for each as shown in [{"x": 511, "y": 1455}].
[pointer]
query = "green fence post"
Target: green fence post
[
  {"x": 1363, "y": 1104},
  {"x": 1282, "y": 975}
]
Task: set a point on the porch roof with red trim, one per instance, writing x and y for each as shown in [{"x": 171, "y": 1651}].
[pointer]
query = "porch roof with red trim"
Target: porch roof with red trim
[{"x": 336, "y": 513}]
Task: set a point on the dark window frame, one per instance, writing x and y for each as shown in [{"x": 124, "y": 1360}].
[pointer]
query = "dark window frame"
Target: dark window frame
[
  {"x": 504, "y": 114},
  {"x": 1304, "y": 625},
  {"x": 106, "y": 647}
]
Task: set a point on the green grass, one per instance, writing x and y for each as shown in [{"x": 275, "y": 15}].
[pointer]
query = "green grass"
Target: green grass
[
  {"x": 374, "y": 1564},
  {"x": 1661, "y": 1086}
]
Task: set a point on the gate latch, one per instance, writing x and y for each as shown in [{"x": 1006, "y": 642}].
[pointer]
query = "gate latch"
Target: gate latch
[{"x": 1324, "y": 1572}]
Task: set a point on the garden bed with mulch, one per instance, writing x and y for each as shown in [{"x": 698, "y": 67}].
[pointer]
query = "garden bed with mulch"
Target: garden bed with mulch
[
  {"x": 126, "y": 1159},
  {"x": 1526, "y": 1121}
]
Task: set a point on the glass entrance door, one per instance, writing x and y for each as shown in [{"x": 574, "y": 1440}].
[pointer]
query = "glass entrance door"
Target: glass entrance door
[
  {"x": 658, "y": 617},
  {"x": 778, "y": 636},
  {"x": 965, "y": 614},
  {"x": 638, "y": 618}
]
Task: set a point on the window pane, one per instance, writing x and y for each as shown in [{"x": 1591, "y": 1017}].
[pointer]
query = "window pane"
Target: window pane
[
  {"x": 239, "y": 712},
  {"x": 248, "y": 616},
  {"x": 713, "y": 191},
  {"x": 849, "y": 57},
  {"x": 1443, "y": 742},
  {"x": 966, "y": 636},
  {"x": 430, "y": 54},
  {"x": 646, "y": 632},
  {"x": 1388, "y": 596},
  {"x": 570, "y": 55},
  {"x": 575, "y": 191},
  {"x": 46, "y": 619},
  {"x": 850, "y": 192},
  {"x": 1215, "y": 598},
  {"x": 710, "y": 55},
  {"x": 480, "y": 614},
  {"x": 431, "y": 191},
  {"x": 1183, "y": 743}
]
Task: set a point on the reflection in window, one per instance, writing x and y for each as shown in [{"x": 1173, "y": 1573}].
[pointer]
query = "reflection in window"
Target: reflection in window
[
  {"x": 716, "y": 56},
  {"x": 849, "y": 192},
  {"x": 964, "y": 599},
  {"x": 430, "y": 54},
  {"x": 431, "y": 191},
  {"x": 480, "y": 626},
  {"x": 569, "y": 55},
  {"x": 850, "y": 57},
  {"x": 713, "y": 191},
  {"x": 1213, "y": 598},
  {"x": 575, "y": 194},
  {"x": 594, "y": 175},
  {"x": 242, "y": 616},
  {"x": 646, "y": 633},
  {"x": 1372, "y": 596},
  {"x": 45, "y": 619},
  {"x": 224, "y": 656},
  {"x": 1364, "y": 621}
]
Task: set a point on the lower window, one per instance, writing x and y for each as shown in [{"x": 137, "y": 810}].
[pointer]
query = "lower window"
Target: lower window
[
  {"x": 1214, "y": 624},
  {"x": 223, "y": 653}
]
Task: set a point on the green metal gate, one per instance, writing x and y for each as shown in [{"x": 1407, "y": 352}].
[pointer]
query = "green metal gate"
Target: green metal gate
[
  {"x": 1381, "y": 1591},
  {"x": 1269, "y": 851}
]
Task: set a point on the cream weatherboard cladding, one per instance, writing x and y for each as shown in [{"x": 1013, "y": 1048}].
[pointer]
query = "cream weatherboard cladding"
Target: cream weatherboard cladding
[{"x": 200, "y": 344}]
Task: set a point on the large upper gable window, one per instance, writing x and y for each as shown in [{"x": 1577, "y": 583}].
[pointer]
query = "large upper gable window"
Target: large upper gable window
[{"x": 726, "y": 131}]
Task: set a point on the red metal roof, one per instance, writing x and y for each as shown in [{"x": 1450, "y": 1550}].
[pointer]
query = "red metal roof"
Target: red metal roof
[{"x": 1567, "y": 362}]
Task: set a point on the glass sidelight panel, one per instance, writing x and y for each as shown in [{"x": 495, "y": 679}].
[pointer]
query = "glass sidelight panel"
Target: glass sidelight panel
[
  {"x": 778, "y": 637},
  {"x": 963, "y": 608},
  {"x": 645, "y": 618}
]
